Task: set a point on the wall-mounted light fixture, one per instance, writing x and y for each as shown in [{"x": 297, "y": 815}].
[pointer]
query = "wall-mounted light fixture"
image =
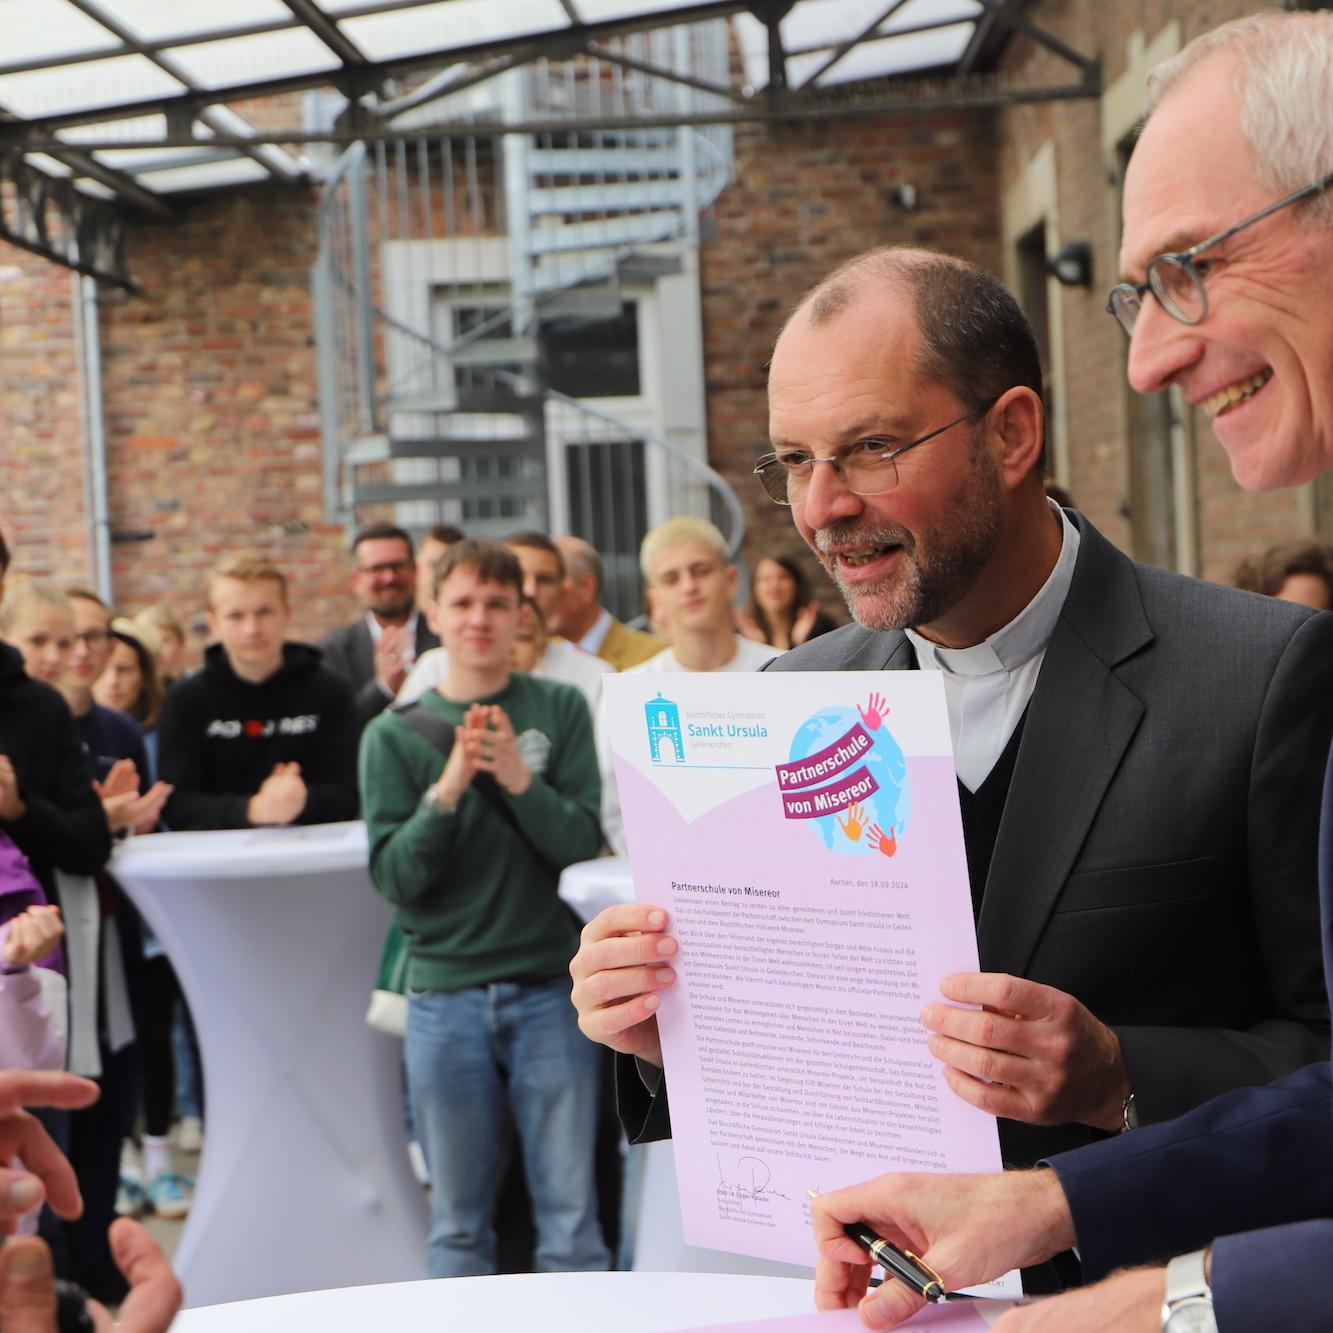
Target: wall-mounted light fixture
[
  {"x": 1071, "y": 264},
  {"x": 904, "y": 196}
]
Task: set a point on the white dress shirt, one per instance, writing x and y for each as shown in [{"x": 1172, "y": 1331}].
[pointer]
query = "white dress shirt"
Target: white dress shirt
[
  {"x": 592, "y": 641},
  {"x": 988, "y": 686}
]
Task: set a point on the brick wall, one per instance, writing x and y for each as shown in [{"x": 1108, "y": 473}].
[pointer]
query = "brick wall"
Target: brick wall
[
  {"x": 805, "y": 198},
  {"x": 41, "y": 464}
]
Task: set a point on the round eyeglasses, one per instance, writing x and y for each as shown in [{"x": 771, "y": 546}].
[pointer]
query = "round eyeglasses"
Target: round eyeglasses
[
  {"x": 867, "y": 467},
  {"x": 1176, "y": 279}
]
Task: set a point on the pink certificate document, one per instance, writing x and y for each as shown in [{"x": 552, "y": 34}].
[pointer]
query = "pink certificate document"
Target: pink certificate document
[{"x": 802, "y": 830}]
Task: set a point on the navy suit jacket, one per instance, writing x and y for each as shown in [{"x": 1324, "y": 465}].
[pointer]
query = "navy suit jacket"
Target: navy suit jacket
[{"x": 1253, "y": 1168}]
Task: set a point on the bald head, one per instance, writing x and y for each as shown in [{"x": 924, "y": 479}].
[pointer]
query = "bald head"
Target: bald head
[
  {"x": 972, "y": 336},
  {"x": 581, "y": 591}
]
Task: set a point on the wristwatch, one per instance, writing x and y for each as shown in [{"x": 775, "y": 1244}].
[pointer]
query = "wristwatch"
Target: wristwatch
[
  {"x": 432, "y": 800},
  {"x": 1129, "y": 1115},
  {"x": 1189, "y": 1300}
]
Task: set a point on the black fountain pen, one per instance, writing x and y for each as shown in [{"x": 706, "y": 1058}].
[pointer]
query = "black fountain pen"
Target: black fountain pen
[{"x": 902, "y": 1264}]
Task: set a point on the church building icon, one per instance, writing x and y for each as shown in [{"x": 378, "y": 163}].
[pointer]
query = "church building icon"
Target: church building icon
[{"x": 665, "y": 742}]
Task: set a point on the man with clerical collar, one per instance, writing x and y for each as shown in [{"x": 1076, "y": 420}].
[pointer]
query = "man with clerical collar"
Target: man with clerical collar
[{"x": 1128, "y": 739}]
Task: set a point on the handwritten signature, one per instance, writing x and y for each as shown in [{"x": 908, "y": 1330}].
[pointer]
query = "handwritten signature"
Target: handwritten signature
[{"x": 751, "y": 1179}]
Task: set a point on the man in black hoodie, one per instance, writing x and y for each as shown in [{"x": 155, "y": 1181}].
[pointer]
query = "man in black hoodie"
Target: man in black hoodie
[{"x": 266, "y": 733}]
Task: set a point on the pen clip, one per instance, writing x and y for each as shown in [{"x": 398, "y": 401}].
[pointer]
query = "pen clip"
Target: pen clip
[{"x": 925, "y": 1268}]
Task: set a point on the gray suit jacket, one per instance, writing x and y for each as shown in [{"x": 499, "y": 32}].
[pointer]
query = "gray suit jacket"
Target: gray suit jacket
[
  {"x": 351, "y": 653},
  {"x": 1157, "y": 854}
]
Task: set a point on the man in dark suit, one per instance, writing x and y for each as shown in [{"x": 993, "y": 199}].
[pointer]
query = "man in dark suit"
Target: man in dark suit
[
  {"x": 376, "y": 652},
  {"x": 1241, "y": 1189},
  {"x": 1139, "y": 754},
  {"x": 1126, "y": 739}
]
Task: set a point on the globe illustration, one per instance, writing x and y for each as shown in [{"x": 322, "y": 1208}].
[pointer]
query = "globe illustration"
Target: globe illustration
[{"x": 890, "y": 807}]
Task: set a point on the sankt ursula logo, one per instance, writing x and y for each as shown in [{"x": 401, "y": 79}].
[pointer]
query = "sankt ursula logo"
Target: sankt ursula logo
[{"x": 666, "y": 744}]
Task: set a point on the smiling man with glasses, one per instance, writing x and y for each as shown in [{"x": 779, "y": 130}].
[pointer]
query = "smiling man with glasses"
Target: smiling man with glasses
[
  {"x": 376, "y": 651},
  {"x": 1228, "y": 223}
]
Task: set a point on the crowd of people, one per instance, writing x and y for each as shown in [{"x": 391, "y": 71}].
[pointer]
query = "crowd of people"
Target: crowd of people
[
  {"x": 1141, "y": 762},
  {"x": 265, "y": 732}
]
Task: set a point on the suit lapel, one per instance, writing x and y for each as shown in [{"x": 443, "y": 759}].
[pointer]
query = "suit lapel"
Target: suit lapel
[
  {"x": 1080, "y": 722},
  {"x": 363, "y": 652}
]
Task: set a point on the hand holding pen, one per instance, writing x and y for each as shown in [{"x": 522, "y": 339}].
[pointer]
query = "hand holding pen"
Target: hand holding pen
[{"x": 967, "y": 1229}]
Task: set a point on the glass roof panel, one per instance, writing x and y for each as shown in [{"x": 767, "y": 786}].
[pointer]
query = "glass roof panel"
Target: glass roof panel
[
  {"x": 143, "y": 159},
  {"x": 596, "y": 11},
  {"x": 204, "y": 175},
  {"x": 237, "y": 60},
  {"x": 48, "y": 29},
  {"x": 147, "y": 128},
  {"x": 155, "y": 20},
  {"x": 453, "y": 23},
  {"x": 933, "y": 11},
  {"x": 817, "y": 26},
  {"x": 98, "y": 83},
  {"x": 889, "y": 55},
  {"x": 94, "y": 188},
  {"x": 48, "y": 164}
]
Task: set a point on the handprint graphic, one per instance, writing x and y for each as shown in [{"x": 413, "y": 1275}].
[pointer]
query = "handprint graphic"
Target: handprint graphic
[
  {"x": 854, "y": 825},
  {"x": 884, "y": 843},
  {"x": 873, "y": 713}
]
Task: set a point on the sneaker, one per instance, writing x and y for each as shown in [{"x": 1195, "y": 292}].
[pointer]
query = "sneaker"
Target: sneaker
[
  {"x": 131, "y": 1198},
  {"x": 190, "y": 1134},
  {"x": 170, "y": 1195}
]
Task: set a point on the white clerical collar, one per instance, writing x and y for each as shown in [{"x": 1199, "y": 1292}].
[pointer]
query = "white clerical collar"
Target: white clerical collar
[
  {"x": 1026, "y": 635},
  {"x": 592, "y": 641}
]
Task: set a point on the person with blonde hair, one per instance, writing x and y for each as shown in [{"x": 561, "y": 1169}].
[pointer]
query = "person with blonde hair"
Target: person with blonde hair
[
  {"x": 692, "y": 582},
  {"x": 168, "y": 639},
  {"x": 266, "y": 733}
]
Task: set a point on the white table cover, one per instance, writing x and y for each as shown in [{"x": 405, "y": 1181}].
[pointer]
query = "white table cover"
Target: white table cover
[
  {"x": 529, "y": 1303},
  {"x": 276, "y": 937}
]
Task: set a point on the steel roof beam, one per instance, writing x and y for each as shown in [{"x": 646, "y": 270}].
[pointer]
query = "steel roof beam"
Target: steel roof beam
[
  {"x": 851, "y": 43},
  {"x": 327, "y": 31},
  {"x": 914, "y": 96},
  {"x": 1007, "y": 13},
  {"x": 443, "y": 84},
  {"x": 130, "y": 190},
  {"x": 660, "y": 72},
  {"x": 575, "y": 38},
  {"x": 164, "y": 62}
]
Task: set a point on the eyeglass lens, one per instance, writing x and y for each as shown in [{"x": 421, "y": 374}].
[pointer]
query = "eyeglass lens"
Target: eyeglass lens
[{"x": 863, "y": 472}]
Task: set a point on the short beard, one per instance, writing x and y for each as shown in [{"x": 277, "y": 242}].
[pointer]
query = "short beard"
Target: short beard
[
  {"x": 392, "y": 610},
  {"x": 923, "y": 588}
]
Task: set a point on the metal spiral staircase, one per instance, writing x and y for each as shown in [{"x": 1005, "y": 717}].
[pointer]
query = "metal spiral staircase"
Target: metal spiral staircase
[{"x": 483, "y": 349}]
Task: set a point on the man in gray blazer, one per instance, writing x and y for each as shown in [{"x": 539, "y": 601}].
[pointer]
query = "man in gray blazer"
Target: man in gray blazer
[
  {"x": 376, "y": 651},
  {"x": 1139, "y": 754}
]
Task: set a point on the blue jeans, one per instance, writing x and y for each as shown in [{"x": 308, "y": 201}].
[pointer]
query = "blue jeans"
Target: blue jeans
[{"x": 471, "y": 1053}]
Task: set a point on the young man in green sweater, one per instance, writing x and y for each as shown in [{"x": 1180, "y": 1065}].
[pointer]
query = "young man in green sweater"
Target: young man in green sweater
[{"x": 468, "y": 848}]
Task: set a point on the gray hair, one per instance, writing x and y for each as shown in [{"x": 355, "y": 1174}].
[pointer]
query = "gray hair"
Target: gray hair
[{"x": 1283, "y": 77}]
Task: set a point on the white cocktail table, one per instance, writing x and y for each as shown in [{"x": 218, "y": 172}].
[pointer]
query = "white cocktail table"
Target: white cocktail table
[{"x": 275, "y": 935}]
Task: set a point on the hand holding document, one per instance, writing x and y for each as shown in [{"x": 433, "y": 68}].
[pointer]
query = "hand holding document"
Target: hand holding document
[{"x": 802, "y": 834}]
